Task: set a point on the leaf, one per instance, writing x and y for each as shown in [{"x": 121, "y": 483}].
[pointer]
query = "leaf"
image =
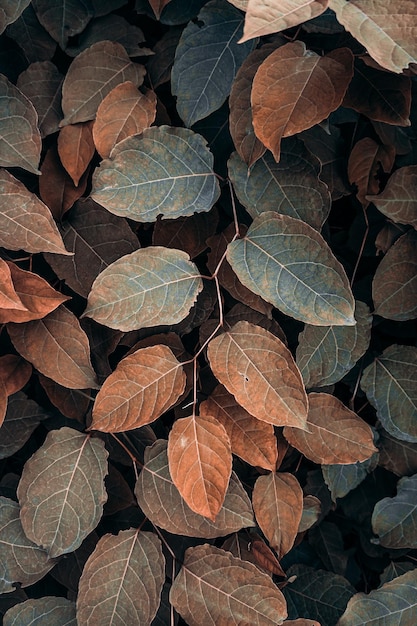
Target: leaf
[
  {"x": 57, "y": 346},
  {"x": 160, "y": 64},
  {"x": 251, "y": 440},
  {"x": 390, "y": 37},
  {"x": 14, "y": 373},
  {"x": 294, "y": 89},
  {"x": 20, "y": 140},
  {"x": 399, "y": 457},
  {"x": 61, "y": 491},
  {"x": 35, "y": 43},
  {"x": 158, "y": 6},
  {"x": 149, "y": 287},
  {"x": 9, "y": 299},
  {"x": 365, "y": 160},
  {"x": 76, "y": 149},
  {"x": 22, "y": 561},
  {"x": 22, "y": 417},
  {"x": 327, "y": 540},
  {"x": 124, "y": 112},
  {"x": 311, "y": 513},
  {"x": 165, "y": 171},
  {"x": 341, "y": 479},
  {"x": 266, "y": 16},
  {"x": 58, "y": 612},
  {"x": 37, "y": 296},
  {"x": 326, "y": 353},
  {"x": 393, "y": 604},
  {"x": 278, "y": 505},
  {"x": 63, "y": 19},
  {"x": 200, "y": 463},
  {"x": 143, "y": 386},
  {"x": 398, "y": 200},
  {"x": 186, "y": 233},
  {"x": 10, "y": 11},
  {"x": 25, "y": 221},
  {"x": 41, "y": 83},
  {"x": 289, "y": 264},
  {"x": 336, "y": 434},
  {"x": 69, "y": 402},
  {"x": 122, "y": 579},
  {"x": 92, "y": 75},
  {"x": 206, "y": 61},
  {"x": 259, "y": 370},
  {"x": 290, "y": 187},
  {"x": 237, "y": 591},
  {"x": 162, "y": 503},
  {"x": 395, "y": 569},
  {"x": 394, "y": 520}
]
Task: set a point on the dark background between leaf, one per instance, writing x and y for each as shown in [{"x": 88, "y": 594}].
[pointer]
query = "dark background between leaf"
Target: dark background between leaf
[{"x": 350, "y": 175}]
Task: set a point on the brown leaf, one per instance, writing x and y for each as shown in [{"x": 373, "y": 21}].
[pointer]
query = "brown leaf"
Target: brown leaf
[
  {"x": 251, "y": 440},
  {"x": 259, "y": 370},
  {"x": 266, "y": 558},
  {"x": 70, "y": 402},
  {"x": 143, "y": 386},
  {"x": 56, "y": 346},
  {"x": 14, "y": 373},
  {"x": 76, "y": 148},
  {"x": 336, "y": 434},
  {"x": 38, "y": 297},
  {"x": 294, "y": 89},
  {"x": 25, "y": 222},
  {"x": 399, "y": 457},
  {"x": 186, "y": 233},
  {"x": 398, "y": 201},
  {"x": 364, "y": 162},
  {"x": 278, "y": 505},
  {"x": 158, "y": 6},
  {"x": 9, "y": 299},
  {"x": 200, "y": 462},
  {"x": 124, "y": 112}
]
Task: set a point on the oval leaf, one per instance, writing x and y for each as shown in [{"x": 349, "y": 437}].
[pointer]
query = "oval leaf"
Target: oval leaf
[
  {"x": 57, "y": 611},
  {"x": 398, "y": 201},
  {"x": 76, "y": 149},
  {"x": 259, "y": 370},
  {"x": 61, "y": 492},
  {"x": 150, "y": 287},
  {"x": 289, "y": 264},
  {"x": 394, "y": 520}
]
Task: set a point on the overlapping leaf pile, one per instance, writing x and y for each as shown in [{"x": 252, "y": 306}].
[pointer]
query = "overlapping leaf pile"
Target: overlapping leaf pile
[{"x": 208, "y": 296}]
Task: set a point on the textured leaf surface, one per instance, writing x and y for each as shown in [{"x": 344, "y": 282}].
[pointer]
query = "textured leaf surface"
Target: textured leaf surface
[
  {"x": 165, "y": 171},
  {"x": 341, "y": 479},
  {"x": 58, "y": 612},
  {"x": 149, "y": 287},
  {"x": 61, "y": 492},
  {"x": 398, "y": 201},
  {"x": 63, "y": 19},
  {"x": 207, "y": 59},
  {"x": 92, "y": 75},
  {"x": 76, "y": 148},
  {"x": 336, "y": 434},
  {"x": 239, "y": 593},
  {"x": 390, "y": 384},
  {"x": 22, "y": 417},
  {"x": 11, "y": 11},
  {"x": 259, "y": 370},
  {"x": 143, "y": 386},
  {"x": 9, "y": 299},
  {"x": 57, "y": 346},
  {"x": 162, "y": 503},
  {"x": 394, "y": 520},
  {"x": 122, "y": 580},
  {"x": 290, "y": 265}
]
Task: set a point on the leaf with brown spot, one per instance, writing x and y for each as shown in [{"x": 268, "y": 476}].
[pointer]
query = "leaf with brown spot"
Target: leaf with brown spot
[
  {"x": 294, "y": 89},
  {"x": 336, "y": 435},
  {"x": 76, "y": 148},
  {"x": 14, "y": 373},
  {"x": 398, "y": 201},
  {"x": 186, "y": 233},
  {"x": 365, "y": 160},
  {"x": 9, "y": 299}
]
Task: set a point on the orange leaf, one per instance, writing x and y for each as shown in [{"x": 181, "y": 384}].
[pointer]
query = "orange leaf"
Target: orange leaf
[
  {"x": 200, "y": 463},
  {"x": 294, "y": 89},
  {"x": 9, "y": 299},
  {"x": 76, "y": 148}
]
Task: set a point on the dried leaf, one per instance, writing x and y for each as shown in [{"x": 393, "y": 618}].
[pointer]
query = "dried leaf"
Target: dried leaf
[
  {"x": 57, "y": 611},
  {"x": 9, "y": 299},
  {"x": 265, "y": 558},
  {"x": 186, "y": 233},
  {"x": 76, "y": 148},
  {"x": 394, "y": 520},
  {"x": 14, "y": 373},
  {"x": 398, "y": 200},
  {"x": 363, "y": 168},
  {"x": 63, "y": 19}
]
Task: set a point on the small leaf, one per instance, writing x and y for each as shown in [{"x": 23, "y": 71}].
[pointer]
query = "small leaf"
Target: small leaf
[
  {"x": 159, "y": 65},
  {"x": 165, "y": 171},
  {"x": 22, "y": 417},
  {"x": 336, "y": 434},
  {"x": 122, "y": 580},
  {"x": 158, "y": 6},
  {"x": 341, "y": 479},
  {"x": 61, "y": 492},
  {"x": 63, "y": 19},
  {"x": 20, "y": 139},
  {"x": 200, "y": 463},
  {"x": 259, "y": 370},
  {"x": 9, "y": 299},
  {"x": 76, "y": 149},
  {"x": 394, "y": 520},
  {"x": 58, "y": 612},
  {"x": 311, "y": 513},
  {"x": 239, "y": 593},
  {"x": 143, "y": 386},
  {"x": 150, "y": 287},
  {"x": 289, "y": 264},
  {"x": 398, "y": 200}
]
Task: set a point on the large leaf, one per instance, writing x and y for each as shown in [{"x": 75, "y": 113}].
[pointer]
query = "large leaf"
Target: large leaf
[
  {"x": 61, "y": 492},
  {"x": 394, "y": 520},
  {"x": 162, "y": 503},
  {"x": 259, "y": 370},
  {"x": 143, "y": 386},
  {"x": 389, "y": 36},
  {"x": 150, "y": 287},
  {"x": 214, "y": 587},
  {"x": 58, "y": 612},
  {"x": 122, "y": 580},
  {"x": 295, "y": 88},
  {"x": 207, "y": 59},
  {"x": 63, "y": 19},
  {"x": 398, "y": 201},
  {"x": 92, "y": 75},
  {"x": 390, "y": 384},
  {"x": 20, "y": 139},
  {"x": 289, "y": 264},
  {"x": 393, "y": 604},
  {"x": 336, "y": 435},
  {"x": 165, "y": 171}
]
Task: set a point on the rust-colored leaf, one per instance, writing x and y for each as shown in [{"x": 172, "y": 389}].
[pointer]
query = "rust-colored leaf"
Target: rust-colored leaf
[
  {"x": 294, "y": 89},
  {"x": 259, "y": 370},
  {"x": 398, "y": 201},
  {"x": 266, "y": 558},
  {"x": 76, "y": 148},
  {"x": 9, "y": 299},
  {"x": 14, "y": 372},
  {"x": 364, "y": 162},
  {"x": 143, "y": 386},
  {"x": 186, "y": 233},
  {"x": 158, "y": 6},
  {"x": 336, "y": 435}
]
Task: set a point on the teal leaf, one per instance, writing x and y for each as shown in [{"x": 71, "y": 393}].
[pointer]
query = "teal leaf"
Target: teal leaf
[
  {"x": 394, "y": 520},
  {"x": 58, "y": 612},
  {"x": 341, "y": 479}
]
